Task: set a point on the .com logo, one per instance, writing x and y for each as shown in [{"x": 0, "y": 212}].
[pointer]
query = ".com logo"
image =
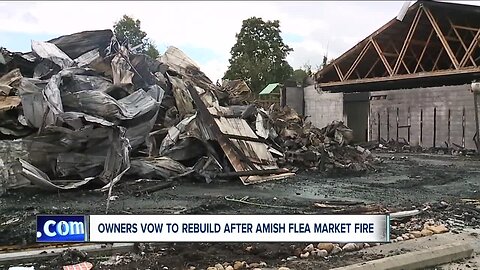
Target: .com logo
[{"x": 61, "y": 228}]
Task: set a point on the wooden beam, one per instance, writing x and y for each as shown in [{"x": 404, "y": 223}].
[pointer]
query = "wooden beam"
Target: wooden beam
[
  {"x": 339, "y": 72},
  {"x": 449, "y": 38},
  {"x": 347, "y": 53},
  {"x": 430, "y": 74},
  {"x": 358, "y": 74},
  {"x": 382, "y": 57},
  {"x": 438, "y": 58},
  {"x": 440, "y": 54},
  {"x": 243, "y": 138},
  {"x": 390, "y": 54},
  {"x": 406, "y": 42},
  {"x": 357, "y": 60},
  {"x": 416, "y": 58},
  {"x": 441, "y": 37},
  {"x": 461, "y": 41},
  {"x": 470, "y": 49},
  {"x": 423, "y": 51},
  {"x": 466, "y": 28},
  {"x": 373, "y": 66},
  {"x": 412, "y": 42},
  {"x": 456, "y": 54},
  {"x": 403, "y": 62}
]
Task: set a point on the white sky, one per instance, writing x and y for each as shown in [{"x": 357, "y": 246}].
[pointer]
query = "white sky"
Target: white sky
[{"x": 206, "y": 30}]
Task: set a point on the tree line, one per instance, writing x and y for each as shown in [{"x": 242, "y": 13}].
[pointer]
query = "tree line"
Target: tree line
[{"x": 258, "y": 57}]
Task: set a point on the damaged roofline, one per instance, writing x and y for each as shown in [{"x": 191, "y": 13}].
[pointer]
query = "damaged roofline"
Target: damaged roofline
[{"x": 360, "y": 45}]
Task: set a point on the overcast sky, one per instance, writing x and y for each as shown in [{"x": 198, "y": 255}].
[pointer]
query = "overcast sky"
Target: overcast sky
[{"x": 205, "y": 30}]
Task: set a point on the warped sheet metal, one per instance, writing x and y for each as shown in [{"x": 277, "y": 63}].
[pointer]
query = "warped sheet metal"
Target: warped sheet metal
[
  {"x": 88, "y": 58},
  {"x": 107, "y": 165},
  {"x": 84, "y": 165},
  {"x": 136, "y": 104},
  {"x": 83, "y": 79},
  {"x": 121, "y": 70},
  {"x": 189, "y": 148},
  {"x": 156, "y": 168},
  {"x": 177, "y": 60},
  {"x": 77, "y": 120},
  {"x": 33, "y": 103},
  {"x": 138, "y": 129},
  {"x": 102, "y": 105},
  {"x": 80, "y": 43},
  {"x": 182, "y": 97},
  {"x": 174, "y": 132},
  {"x": 51, "y": 52},
  {"x": 52, "y": 97},
  {"x": 38, "y": 178},
  {"x": 117, "y": 162}
]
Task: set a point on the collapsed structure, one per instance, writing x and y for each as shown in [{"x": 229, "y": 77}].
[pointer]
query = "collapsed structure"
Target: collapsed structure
[{"x": 82, "y": 111}]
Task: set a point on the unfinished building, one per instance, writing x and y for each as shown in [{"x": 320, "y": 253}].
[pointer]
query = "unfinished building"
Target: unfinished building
[{"x": 409, "y": 80}]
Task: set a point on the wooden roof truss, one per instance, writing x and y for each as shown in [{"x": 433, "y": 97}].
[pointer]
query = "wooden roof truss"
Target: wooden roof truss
[{"x": 432, "y": 37}]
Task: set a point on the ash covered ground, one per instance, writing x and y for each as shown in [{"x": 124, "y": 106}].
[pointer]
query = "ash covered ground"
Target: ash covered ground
[{"x": 402, "y": 182}]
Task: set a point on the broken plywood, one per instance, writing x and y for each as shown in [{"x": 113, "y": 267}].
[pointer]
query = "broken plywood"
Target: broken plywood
[{"x": 248, "y": 155}]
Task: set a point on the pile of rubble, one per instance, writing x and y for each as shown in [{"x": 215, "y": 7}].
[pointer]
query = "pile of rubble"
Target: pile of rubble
[
  {"x": 326, "y": 149},
  {"x": 402, "y": 146},
  {"x": 84, "y": 111}
]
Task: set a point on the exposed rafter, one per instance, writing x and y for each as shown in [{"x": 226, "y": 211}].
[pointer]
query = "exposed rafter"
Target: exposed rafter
[
  {"x": 465, "y": 28},
  {"x": 463, "y": 43},
  {"x": 470, "y": 49},
  {"x": 432, "y": 37},
  {"x": 339, "y": 72},
  {"x": 382, "y": 56},
  {"x": 423, "y": 51},
  {"x": 440, "y": 35},
  {"x": 371, "y": 68},
  {"x": 438, "y": 58},
  {"x": 417, "y": 59},
  {"x": 357, "y": 60},
  {"x": 408, "y": 38},
  {"x": 403, "y": 62}
]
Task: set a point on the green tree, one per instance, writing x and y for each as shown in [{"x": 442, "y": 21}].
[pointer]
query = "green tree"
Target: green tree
[
  {"x": 128, "y": 30},
  {"x": 151, "y": 49},
  {"x": 259, "y": 55},
  {"x": 300, "y": 75}
]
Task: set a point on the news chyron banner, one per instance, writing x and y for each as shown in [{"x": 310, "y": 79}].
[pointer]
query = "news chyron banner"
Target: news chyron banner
[
  {"x": 214, "y": 228},
  {"x": 62, "y": 228}
]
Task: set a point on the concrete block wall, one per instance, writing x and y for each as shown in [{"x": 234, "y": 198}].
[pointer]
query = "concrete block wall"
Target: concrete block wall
[
  {"x": 322, "y": 107},
  {"x": 436, "y": 115},
  {"x": 294, "y": 98}
]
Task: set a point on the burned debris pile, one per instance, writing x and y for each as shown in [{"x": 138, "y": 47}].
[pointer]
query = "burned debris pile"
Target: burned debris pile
[
  {"x": 83, "y": 110},
  {"x": 326, "y": 149},
  {"x": 402, "y": 146}
]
